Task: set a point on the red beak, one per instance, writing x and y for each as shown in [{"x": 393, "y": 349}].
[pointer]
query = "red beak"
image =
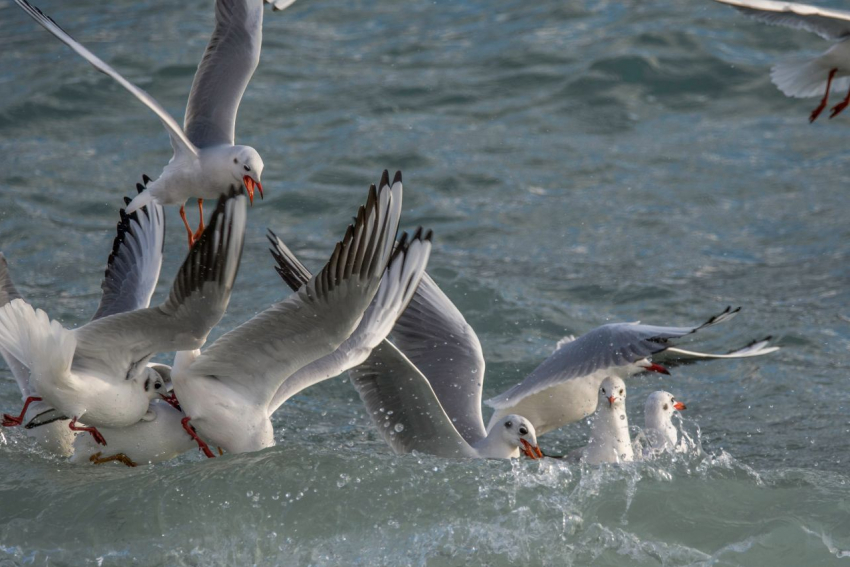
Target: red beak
[
  {"x": 530, "y": 450},
  {"x": 610, "y": 401},
  {"x": 249, "y": 185},
  {"x": 680, "y": 406},
  {"x": 656, "y": 368}
]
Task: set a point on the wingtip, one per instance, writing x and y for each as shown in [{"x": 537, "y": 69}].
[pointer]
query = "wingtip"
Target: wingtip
[
  {"x": 397, "y": 177},
  {"x": 385, "y": 179}
]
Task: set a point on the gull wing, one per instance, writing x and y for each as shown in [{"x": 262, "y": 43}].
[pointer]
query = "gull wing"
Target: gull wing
[
  {"x": 119, "y": 345},
  {"x": 226, "y": 68},
  {"x": 675, "y": 356},
  {"x": 134, "y": 264},
  {"x": 615, "y": 344},
  {"x": 829, "y": 24},
  {"x": 398, "y": 284},
  {"x": 179, "y": 141},
  {"x": 256, "y": 358}
]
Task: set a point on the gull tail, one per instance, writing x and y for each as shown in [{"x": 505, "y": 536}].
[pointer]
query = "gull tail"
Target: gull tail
[
  {"x": 803, "y": 79},
  {"x": 44, "y": 346},
  {"x": 141, "y": 200}
]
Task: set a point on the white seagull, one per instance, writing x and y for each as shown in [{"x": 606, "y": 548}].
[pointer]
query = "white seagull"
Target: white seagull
[
  {"x": 809, "y": 77},
  {"x": 563, "y": 389},
  {"x": 610, "y": 441},
  {"x": 659, "y": 433},
  {"x": 205, "y": 162},
  {"x": 132, "y": 272},
  {"x": 98, "y": 373},
  {"x": 232, "y": 388}
]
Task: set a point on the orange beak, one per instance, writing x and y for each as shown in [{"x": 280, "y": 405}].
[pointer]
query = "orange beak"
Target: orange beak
[
  {"x": 530, "y": 450},
  {"x": 680, "y": 406},
  {"x": 611, "y": 401},
  {"x": 656, "y": 368},
  {"x": 249, "y": 185}
]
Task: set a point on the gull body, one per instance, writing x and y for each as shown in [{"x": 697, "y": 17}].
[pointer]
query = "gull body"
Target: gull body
[
  {"x": 610, "y": 440},
  {"x": 659, "y": 432}
]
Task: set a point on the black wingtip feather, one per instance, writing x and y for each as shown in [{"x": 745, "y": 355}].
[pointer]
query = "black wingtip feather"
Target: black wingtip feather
[
  {"x": 397, "y": 178},
  {"x": 385, "y": 179}
]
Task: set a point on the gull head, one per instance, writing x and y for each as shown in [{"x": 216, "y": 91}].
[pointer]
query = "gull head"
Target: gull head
[
  {"x": 661, "y": 405},
  {"x": 518, "y": 432},
  {"x": 154, "y": 383},
  {"x": 612, "y": 392},
  {"x": 247, "y": 167}
]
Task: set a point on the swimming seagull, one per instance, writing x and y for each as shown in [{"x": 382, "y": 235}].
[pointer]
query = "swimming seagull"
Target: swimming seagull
[
  {"x": 809, "y": 77},
  {"x": 610, "y": 441},
  {"x": 659, "y": 433},
  {"x": 430, "y": 402},
  {"x": 205, "y": 161},
  {"x": 132, "y": 271},
  {"x": 98, "y": 373},
  {"x": 563, "y": 388},
  {"x": 230, "y": 390}
]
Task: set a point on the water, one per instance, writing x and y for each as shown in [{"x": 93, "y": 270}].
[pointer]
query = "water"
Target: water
[{"x": 579, "y": 163}]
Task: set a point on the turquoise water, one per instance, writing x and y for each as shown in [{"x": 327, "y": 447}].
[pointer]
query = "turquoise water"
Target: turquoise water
[{"x": 579, "y": 163}]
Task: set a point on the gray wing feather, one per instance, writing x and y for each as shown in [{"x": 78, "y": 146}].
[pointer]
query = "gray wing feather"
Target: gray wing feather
[
  {"x": 132, "y": 270},
  {"x": 226, "y": 68},
  {"x": 675, "y": 356},
  {"x": 8, "y": 291},
  {"x": 256, "y": 357},
  {"x": 616, "y": 344},
  {"x": 112, "y": 346},
  {"x": 829, "y": 24},
  {"x": 435, "y": 337},
  {"x": 404, "y": 407}
]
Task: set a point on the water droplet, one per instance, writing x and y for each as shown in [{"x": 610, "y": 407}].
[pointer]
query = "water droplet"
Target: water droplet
[{"x": 399, "y": 427}]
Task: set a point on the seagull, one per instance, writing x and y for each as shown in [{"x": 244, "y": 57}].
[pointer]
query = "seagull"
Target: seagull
[
  {"x": 563, "y": 389},
  {"x": 809, "y": 77},
  {"x": 659, "y": 433},
  {"x": 158, "y": 439},
  {"x": 231, "y": 389},
  {"x": 98, "y": 373},
  {"x": 205, "y": 161},
  {"x": 131, "y": 275},
  {"x": 418, "y": 403},
  {"x": 610, "y": 441}
]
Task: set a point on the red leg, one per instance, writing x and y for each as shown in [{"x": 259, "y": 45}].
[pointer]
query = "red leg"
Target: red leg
[
  {"x": 12, "y": 421},
  {"x": 840, "y": 106},
  {"x": 186, "y": 223},
  {"x": 200, "y": 230},
  {"x": 202, "y": 445},
  {"x": 98, "y": 438},
  {"x": 816, "y": 112}
]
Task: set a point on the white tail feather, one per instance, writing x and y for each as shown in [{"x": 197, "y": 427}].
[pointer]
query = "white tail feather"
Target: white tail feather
[
  {"x": 805, "y": 79},
  {"x": 139, "y": 201},
  {"x": 44, "y": 346}
]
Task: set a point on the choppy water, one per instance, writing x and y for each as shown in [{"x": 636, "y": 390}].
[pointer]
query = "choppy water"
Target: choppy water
[{"x": 579, "y": 163}]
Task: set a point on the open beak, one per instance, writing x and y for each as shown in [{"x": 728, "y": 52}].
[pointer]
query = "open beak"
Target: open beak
[
  {"x": 680, "y": 406},
  {"x": 171, "y": 399},
  {"x": 531, "y": 451},
  {"x": 656, "y": 368},
  {"x": 611, "y": 401},
  {"x": 249, "y": 185}
]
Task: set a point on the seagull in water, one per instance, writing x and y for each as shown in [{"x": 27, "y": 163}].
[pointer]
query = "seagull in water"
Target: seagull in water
[
  {"x": 563, "y": 389},
  {"x": 808, "y": 77},
  {"x": 205, "y": 162},
  {"x": 132, "y": 271},
  {"x": 229, "y": 391},
  {"x": 659, "y": 433},
  {"x": 99, "y": 373},
  {"x": 610, "y": 441},
  {"x": 431, "y": 401}
]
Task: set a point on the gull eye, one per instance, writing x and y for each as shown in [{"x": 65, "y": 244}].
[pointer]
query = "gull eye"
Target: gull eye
[
  {"x": 235, "y": 160},
  {"x": 665, "y": 406},
  {"x": 158, "y": 385},
  {"x": 509, "y": 424},
  {"x": 246, "y": 168},
  {"x": 621, "y": 391},
  {"x": 603, "y": 390},
  {"x": 523, "y": 430}
]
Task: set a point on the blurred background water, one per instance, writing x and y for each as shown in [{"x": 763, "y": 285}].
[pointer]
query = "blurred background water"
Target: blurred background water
[{"x": 579, "y": 163}]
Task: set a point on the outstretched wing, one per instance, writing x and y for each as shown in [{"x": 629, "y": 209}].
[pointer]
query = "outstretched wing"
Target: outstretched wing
[
  {"x": 133, "y": 266},
  {"x": 404, "y": 407},
  {"x": 229, "y": 62},
  {"x": 8, "y": 292},
  {"x": 675, "y": 356},
  {"x": 118, "y": 345},
  {"x": 179, "y": 141},
  {"x": 255, "y": 358},
  {"x": 608, "y": 346},
  {"x": 398, "y": 284},
  {"x": 829, "y": 24}
]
